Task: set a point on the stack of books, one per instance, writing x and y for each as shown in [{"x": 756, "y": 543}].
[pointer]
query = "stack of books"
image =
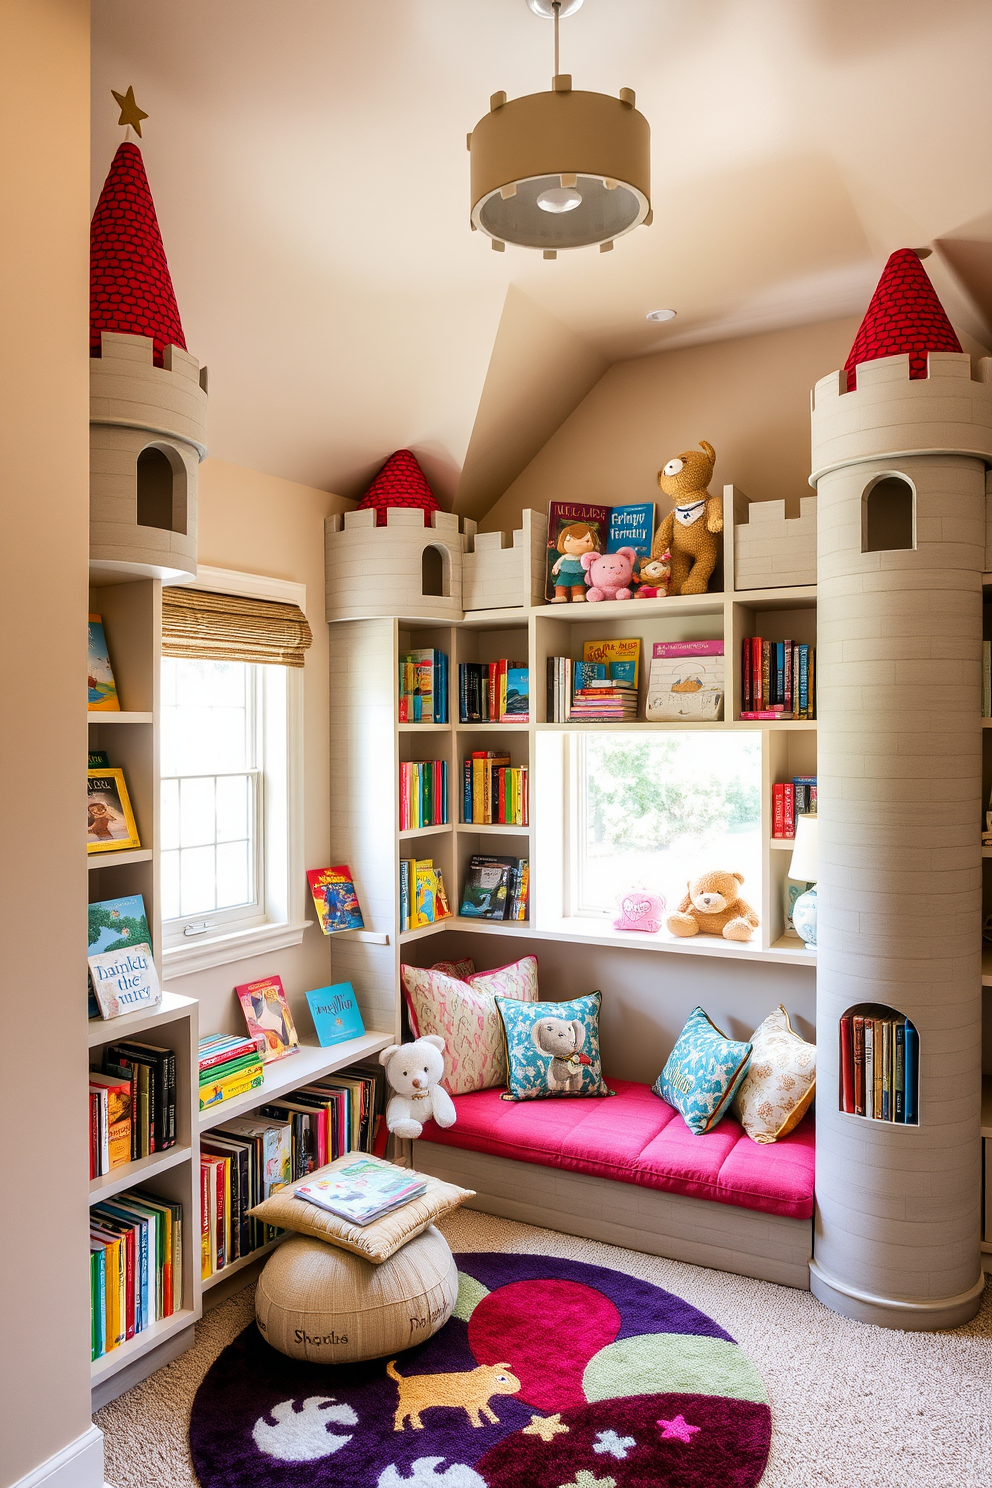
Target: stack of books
[
  {"x": 136, "y": 1266},
  {"x": 795, "y": 797},
  {"x": 423, "y": 899},
  {"x": 363, "y": 1191},
  {"x": 880, "y": 1066},
  {"x": 603, "y": 692},
  {"x": 778, "y": 679},
  {"x": 493, "y": 790},
  {"x": 496, "y": 888},
  {"x": 423, "y": 794},
  {"x": 132, "y": 1105},
  {"x": 229, "y": 1066},
  {"x": 493, "y": 692},
  {"x": 423, "y": 687}
]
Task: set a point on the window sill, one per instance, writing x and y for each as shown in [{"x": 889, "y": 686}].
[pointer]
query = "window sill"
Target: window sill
[{"x": 220, "y": 950}]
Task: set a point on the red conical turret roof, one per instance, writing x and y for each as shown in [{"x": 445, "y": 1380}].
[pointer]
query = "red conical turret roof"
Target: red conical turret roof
[
  {"x": 130, "y": 285},
  {"x": 400, "y": 482},
  {"x": 905, "y": 315}
]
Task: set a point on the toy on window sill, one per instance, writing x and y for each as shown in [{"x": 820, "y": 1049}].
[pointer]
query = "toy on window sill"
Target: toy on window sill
[
  {"x": 713, "y": 907},
  {"x": 412, "y": 1073},
  {"x": 575, "y": 543},
  {"x": 653, "y": 575},
  {"x": 609, "y": 575},
  {"x": 640, "y": 910}
]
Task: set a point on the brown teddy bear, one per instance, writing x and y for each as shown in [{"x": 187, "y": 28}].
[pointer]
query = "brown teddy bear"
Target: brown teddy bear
[
  {"x": 690, "y": 532},
  {"x": 713, "y": 907}
]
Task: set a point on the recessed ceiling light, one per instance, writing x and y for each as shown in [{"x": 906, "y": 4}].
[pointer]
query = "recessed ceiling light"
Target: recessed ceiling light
[{"x": 661, "y": 315}]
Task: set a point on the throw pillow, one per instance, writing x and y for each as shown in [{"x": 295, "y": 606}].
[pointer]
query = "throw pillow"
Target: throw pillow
[
  {"x": 459, "y": 969},
  {"x": 702, "y": 1073},
  {"x": 464, "y": 1014},
  {"x": 377, "y": 1241},
  {"x": 552, "y": 1048},
  {"x": 780, "y": 1083}
]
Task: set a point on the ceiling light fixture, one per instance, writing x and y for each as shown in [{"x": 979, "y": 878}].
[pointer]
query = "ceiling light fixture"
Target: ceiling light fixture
[
  {"x": 562, "y": 169},
  {"x": 661, "y": 315}
]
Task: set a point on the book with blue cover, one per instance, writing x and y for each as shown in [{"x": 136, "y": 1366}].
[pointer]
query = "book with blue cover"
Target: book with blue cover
[
  {"x": 335, "y": 1013},
  {"x": 632, "y": 526}
]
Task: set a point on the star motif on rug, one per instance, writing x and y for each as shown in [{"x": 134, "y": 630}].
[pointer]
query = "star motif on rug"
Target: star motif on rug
[
  {"x": 585, "y": 1479},
  {"x": 546, "y": 1427},
  {"x": 678, "y": 1430},
  {"x": 617, "y": 1446}
]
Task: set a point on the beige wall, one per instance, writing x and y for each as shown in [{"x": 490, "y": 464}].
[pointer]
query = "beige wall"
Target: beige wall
[
  {"x": 44, "y": 430},
  {"x": 264, "y": 525},
  {"x": 749, "y": 398}
]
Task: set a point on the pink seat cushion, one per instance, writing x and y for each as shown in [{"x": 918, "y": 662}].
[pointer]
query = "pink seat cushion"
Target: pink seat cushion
[{"x": 636, "y": 1137}]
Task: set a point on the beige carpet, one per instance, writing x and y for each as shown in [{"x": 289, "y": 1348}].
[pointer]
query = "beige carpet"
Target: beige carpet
[{"x": 852, "y": 1406}]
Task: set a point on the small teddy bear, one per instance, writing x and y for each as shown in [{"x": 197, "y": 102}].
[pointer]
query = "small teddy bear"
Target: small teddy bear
[
  {"x": 413, "y": 1071},
  {"x": 690, "y": 532},
  {"x": 713, "y": 907},
  {"x": 609, "y": 574},
  {"x": 653, "y": 575}
]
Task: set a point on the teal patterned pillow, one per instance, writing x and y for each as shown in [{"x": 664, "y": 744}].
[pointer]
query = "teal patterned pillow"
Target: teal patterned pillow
[
  {"x": 702, "y": 1074},
  {"x": 552, "y": 1048}
]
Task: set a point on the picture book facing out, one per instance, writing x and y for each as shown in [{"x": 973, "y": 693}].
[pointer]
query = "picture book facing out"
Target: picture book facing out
[
  {"x": 110, "y": 824},
  {"x": 268, "y": 1016},
  {"x": 574, "y": 528},
  {"x": 101, "y": 696},
  {"x": 115, "y": 925},
  {"x": 124, "y": 981},
  {"x": 686, "y": 681},
  {"x": 632, "y": 526},
  {"x": 335, "y": 900},
  {"x": 621, "y": 658},
  {"x": 335, "y": 1014}
]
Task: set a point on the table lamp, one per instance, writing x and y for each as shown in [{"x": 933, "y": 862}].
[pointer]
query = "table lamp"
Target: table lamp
[{"x": 804, "y": 869}]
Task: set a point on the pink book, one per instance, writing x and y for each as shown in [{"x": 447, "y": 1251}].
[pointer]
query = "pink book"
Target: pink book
[{"x": 687, "y": 648}]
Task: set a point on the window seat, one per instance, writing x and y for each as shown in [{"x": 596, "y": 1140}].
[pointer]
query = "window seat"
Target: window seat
[{"x": 626, "y": 1169}]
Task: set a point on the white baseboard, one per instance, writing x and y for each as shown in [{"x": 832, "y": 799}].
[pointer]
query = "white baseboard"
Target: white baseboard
[{"x": 79, "y": 1465}]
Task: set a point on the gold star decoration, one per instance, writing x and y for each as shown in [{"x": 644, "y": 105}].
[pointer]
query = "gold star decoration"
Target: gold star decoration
[
  {"x": 130, "y": 112},
  {"x": 546, "y": 1427}
]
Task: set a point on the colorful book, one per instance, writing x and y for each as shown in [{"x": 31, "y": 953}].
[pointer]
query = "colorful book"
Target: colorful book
[
  {"x": 516, "y": 706},
  {"x": 574, "y": 528},
  {"x": 363, "y": 1191},
  {"x": 268, "y": 1017},
  {"x": 101, "y": 694},
  {"x": 335, "y": 1013},
  {"x": 335, "y": 899},
  {"x": 487, "y": 893},
  {"x": 124, "y": 981},
  {"x": 110, "y": 824},
  {"x": 114, "y": 925},
  {"x": 114, "y": 1095},
  {"x": 686, "y": 681},
  {"x": 612, "y": 652},
  {"x": 631, "y": 526}
]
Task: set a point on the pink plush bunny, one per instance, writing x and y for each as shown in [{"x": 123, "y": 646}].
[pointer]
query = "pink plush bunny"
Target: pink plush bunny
[{"x": 608, "y": 574}]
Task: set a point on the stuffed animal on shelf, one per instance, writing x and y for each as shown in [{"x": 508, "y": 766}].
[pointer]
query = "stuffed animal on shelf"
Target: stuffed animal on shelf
[
  {"x": 412, "y": 1072},
  {"x": 690, "y": 532},
  {"x": 640, "y": 910},
  {"x": 575, "y": 542},
  {"x": 653, "y": 575},
  {"x": 713, "y": 906},
  {"x": 609, "y": 575}
]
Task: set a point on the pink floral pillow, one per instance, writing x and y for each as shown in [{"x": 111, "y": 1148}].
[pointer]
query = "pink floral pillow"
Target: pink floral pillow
[{"x": 464, "y": 1013}]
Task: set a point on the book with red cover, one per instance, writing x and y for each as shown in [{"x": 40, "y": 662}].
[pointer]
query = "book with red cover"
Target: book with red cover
[
  {"x": 847, "y": 1064},
  {"x": 564, "y": 514},
  {"x": 778, "y": 810},
  {"x": 858, "y": 1043},
  {"x": 789, "y": 810}
]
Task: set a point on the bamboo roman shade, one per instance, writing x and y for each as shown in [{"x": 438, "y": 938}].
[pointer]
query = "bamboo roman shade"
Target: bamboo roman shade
[{"x": 228, "y": 627}]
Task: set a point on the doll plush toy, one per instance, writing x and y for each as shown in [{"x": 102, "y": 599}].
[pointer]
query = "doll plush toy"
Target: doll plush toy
[
  {"x": 568, "y": 573},
  {"x": 413, "y": 1071}
]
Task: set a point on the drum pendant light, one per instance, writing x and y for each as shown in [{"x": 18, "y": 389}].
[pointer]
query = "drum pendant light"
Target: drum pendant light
[{"x": 563, "y": 169}]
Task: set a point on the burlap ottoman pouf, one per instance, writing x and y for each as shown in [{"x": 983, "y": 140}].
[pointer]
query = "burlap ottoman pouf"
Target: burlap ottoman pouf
[{"x": 317, "y": 1302}]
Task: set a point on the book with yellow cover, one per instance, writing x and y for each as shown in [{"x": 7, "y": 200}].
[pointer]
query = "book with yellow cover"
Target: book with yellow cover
[
  {"x": 101, "y": 687},
  {"x": 110, "y": 824},
  {"x": 621, "y": 657},
  {"x": 213, "y": 1092}
]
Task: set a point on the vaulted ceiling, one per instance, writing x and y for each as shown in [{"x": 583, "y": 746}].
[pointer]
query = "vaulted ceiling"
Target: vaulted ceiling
[{"x": 309, "y": 167}]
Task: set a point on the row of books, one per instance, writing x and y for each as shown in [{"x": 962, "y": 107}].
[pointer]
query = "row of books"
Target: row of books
[
  {"x": 496, "y": 888},
  {"x": 778, "y": 679},
  {"x": 136, "y": 1266},
  {"x": 792, "y": 798},
  {"x": 132, "y": 1105},
  {"x": 423, "y": 899},
  {"x": 423, "y": 687},
  {"x": 229, "y": 1066},
  {"x": 880, "y": 1067},
  {"x": 423, "y": 793},
  {"x": 493, "y": 692},
  {"x": 246, "y": 1159},
  {"x": 493, "y": 790}
]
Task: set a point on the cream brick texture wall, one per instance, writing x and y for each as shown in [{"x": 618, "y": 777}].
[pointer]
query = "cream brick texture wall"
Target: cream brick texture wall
[
  {"x": 772, "y": 550},
  {"x": 371, "y": 571},
  {"x": 498, "y": 575}
]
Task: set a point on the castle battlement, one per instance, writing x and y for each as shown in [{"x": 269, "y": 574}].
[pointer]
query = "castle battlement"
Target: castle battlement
[{"x": 127, "y": 390}]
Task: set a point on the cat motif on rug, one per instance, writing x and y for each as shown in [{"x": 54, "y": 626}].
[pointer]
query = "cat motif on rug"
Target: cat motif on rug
[{"x": 470, "y": 1391}]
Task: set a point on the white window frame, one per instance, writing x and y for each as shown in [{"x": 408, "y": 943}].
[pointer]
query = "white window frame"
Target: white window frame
[
  {"x": 281, "y": 874},
  {"x": 577, "y": 778}
]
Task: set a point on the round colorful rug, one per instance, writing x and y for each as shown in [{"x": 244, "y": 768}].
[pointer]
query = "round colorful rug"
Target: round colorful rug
[{"x": 550, "y": 1374}]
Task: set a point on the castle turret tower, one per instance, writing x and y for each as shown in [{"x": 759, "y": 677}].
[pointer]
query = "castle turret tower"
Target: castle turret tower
[
  {"x": 148, "y": 396},
  {"x": 901, "y": 440}
]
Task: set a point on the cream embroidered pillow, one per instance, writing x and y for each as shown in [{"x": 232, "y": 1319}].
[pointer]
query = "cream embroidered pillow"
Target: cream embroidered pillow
[
  {"x": 779, "y": 1086},
  {"x": 464, "y": 1013}
]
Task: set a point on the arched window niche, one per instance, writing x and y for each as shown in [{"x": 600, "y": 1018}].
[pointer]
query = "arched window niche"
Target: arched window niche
[
  {"x": 160, "y": 489},
  {"x": 879, "y": 1065},
  {"x": 435, "y": 571},
  {"x": 888, "y": 515}
]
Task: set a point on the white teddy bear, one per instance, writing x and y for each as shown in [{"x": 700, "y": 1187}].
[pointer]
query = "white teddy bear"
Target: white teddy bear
[{"x": 413, "y": 1071}]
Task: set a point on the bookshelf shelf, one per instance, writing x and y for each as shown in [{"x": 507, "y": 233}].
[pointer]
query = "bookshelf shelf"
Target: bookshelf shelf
[
  {"x": 122, "y": 717},
  {"x": 405, "y": 936},
  {"x": 242, "y": 1262},
  {"x": 986, "y": 723},
  {"x": 138, "y": 1171},
  {"x": 286, "y": 1074},
  {"x": 782, "y": 844},
  {"x": 424, "y": 728},
  {"x": 491, "y": 728},
  {"x": 115, "y": 859},
  {"x": 437, "y": 831},
  {"x": 142, "y": 1343},
  {"x": 112, "y": 1030},
  {"x": 492, "y": 829}
]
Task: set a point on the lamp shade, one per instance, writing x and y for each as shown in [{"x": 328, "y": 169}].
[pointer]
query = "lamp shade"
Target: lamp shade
[{"x": 804, "y": 867}]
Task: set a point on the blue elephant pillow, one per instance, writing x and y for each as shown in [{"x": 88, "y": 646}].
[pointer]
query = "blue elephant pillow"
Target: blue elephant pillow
[
  {"x": 703, "y": 1071},
  {"x": 552, "y": 1048}
]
